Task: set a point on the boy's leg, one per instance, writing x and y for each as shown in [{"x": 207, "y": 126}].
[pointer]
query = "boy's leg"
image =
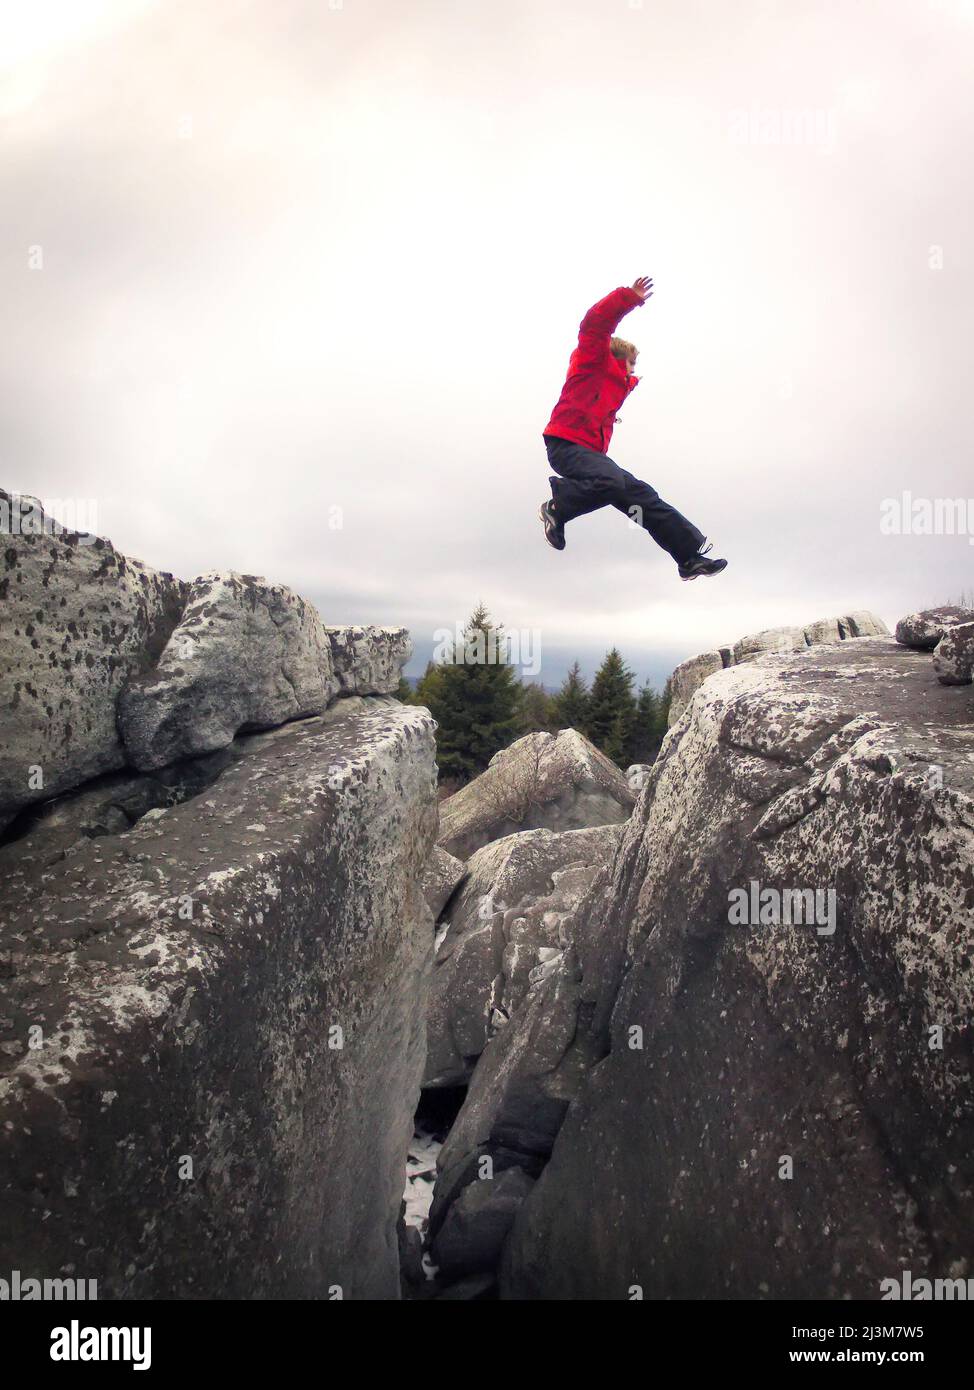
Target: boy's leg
[
  {"x": 588, "y": 480},
  {"x": 668, "y": 527}
]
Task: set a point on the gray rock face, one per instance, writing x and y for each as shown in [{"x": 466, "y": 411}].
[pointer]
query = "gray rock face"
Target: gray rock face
[
  {"x": 77, "y": 621},
  {"x": 760, "y": 1068},
  {"x": 471, "y": 1238},
  {"x": 228, "y": 1005},
  {"x": 441, "y": 876},
  {"x": 953, "y": 659},
  {"x": 247, "y": 655},
  {"x": 108, "y": 805},
  {"x": 776, "y": 639},
  {"x": 520, "y": 1089},
  {"x": 690, "y": 675},
  {"x": 543, "y": 781},
  {"x": 506, "y": 927},
  {"x": 367, "y": 660},
  {"x": 924, "y": 630}
]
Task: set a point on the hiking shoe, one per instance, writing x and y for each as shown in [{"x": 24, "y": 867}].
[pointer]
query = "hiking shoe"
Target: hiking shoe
[
  {"x": 699, "y": 564},
  {"x": 554, "y": 532}
]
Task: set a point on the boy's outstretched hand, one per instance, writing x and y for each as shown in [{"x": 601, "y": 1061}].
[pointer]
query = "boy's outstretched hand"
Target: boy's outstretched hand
[{"x": 643, "y": 287}]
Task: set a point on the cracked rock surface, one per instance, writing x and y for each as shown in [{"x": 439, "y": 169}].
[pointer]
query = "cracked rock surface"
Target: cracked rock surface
[
  {"x": 248, "y": 655},
  {"x": 178, "y": 1115},
  {"x": 759, "y": 1110},
  {"x": 78, "y": 620},
  {"x": 506, "y": 928},
  {"x": 691, "y": 674},
  {"x": 542, "y": 781}
]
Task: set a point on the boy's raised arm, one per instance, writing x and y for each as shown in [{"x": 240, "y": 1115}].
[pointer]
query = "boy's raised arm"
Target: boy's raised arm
[{"x": 598, "y": 325}]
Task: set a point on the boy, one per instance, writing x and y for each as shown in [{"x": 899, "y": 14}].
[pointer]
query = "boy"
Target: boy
[{"x": 600, "y": 377}]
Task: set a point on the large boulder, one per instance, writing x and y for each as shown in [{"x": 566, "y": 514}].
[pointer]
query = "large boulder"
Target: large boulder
[
  {"x": 542, "y": 781},
  {"x": 774, "y": 984},
  {"x": 507, "y": 924},
  {"x": 441, "y": 876},
  {"x": 471, "y": 1238},
  {"x": 691, "y": 674},
  {"x": 519, "y": 1092},
  {"x": 923, "y": 630},
  {"x": 953, "y": 658},
  {"x": 77, "y": 621},
  {"x": 367, "y": 660},
  {"x": 212, "y": 1027},
  {"x": 773, "y": 639},
  {"x": 247, "y": 655}
]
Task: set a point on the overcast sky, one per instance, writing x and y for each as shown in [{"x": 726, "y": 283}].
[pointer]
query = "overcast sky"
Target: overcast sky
[{"x": 309, "y": 276}]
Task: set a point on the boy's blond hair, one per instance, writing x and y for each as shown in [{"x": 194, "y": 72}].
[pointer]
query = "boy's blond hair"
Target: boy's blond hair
[{"x": 620, "y": 348}]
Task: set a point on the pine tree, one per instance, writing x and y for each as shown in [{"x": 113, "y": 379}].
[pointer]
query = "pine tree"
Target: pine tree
[
  {"x": 535, "y": 713},
  {"x": 570, "y": 705},
  {"x": 666, "y": 699},
  {"x": 646, "y": 736},
  {"x": 612, "y": 707},
  {"x": 405, "y": 692},
  {"x": 474, "y": 695}
]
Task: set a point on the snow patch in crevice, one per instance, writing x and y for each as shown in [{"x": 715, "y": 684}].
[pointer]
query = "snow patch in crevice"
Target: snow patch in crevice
[{"x": 420, "y": 1177}]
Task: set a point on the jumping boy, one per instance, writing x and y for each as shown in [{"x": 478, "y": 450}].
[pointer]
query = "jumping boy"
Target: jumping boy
[{"x": 600, "y": 377}]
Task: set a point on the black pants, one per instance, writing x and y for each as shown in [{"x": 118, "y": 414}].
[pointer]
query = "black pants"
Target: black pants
[{"x": 589, "y": 480}]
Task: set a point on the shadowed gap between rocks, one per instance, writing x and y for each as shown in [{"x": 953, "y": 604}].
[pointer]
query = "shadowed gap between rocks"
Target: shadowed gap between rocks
[{"x": 437, "y": 1110}]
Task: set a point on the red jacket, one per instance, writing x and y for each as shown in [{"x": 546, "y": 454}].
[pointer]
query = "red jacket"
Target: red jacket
[{"x": 597, "y": 383}]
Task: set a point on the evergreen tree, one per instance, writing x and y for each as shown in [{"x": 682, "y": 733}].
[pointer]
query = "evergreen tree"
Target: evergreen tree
[
  {"x": 405, "y": 692},
  {"x": 570, "y": 706},
  {"x": 428, "y": 685},
  {"x": 474, "y": 695},
  {"x": 612, "y": 707},
  {"x": 647, "y": 733},
  {"x": 666, "y": 699},
  {"x": 616, "y": 745},
  {"x": 535, "y": 713}
]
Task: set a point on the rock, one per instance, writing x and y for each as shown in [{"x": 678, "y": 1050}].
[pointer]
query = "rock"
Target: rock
[
  {"x": 507, "y": 923},
  {"x": 193, "y": 1123},
  {"x": 690, "y": 675},
  {"x": 477, "y": 1288},
  {"x": 542, "y": 781},
  {"x": 637, "y": 775},
  {"x": 953, "y": 659},
  {"x": 410, "y": 1244},
  {"x": 825, "y": 630},
  {"x": 367, "y": 660},
  {"x": 752, "y": 1082},
  {"x": 77, "y": 620},
  {"x": 862, "y": 624},
  {"x": 107, "y": 805},
  {"x": 245, "y": 655},
  {"x": 924, "y": 630},
  {"x": 773, "y": 639},
  {"x": 440, "y": 878},
  {"x": 520, "y": 1089},
  {"x": 471, "y": 1237},
  {"x": 248, "y": 655}
]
